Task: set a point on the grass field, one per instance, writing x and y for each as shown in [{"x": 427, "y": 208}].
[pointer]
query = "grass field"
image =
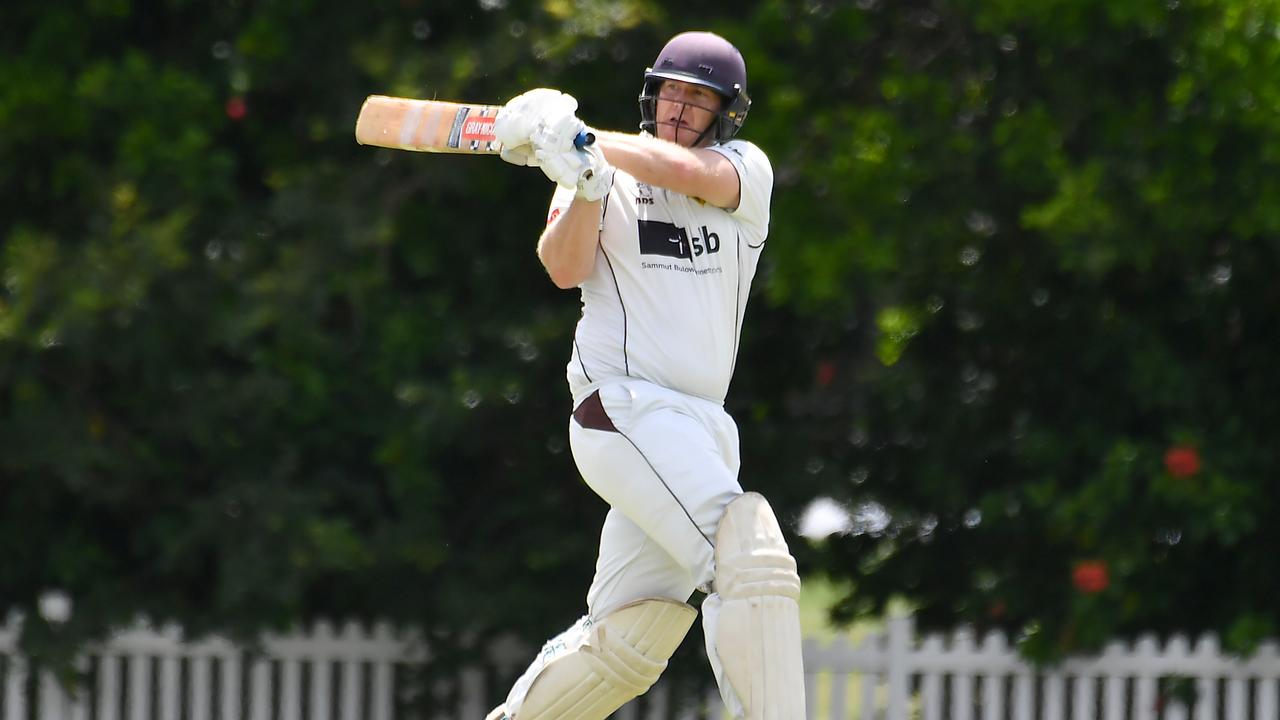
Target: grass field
[{"x": 816, "y": 599}]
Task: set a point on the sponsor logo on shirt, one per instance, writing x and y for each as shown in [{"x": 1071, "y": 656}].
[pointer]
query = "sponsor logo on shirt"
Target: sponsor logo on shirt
[
  {"x": 644, "y": 194},
  {"x": 668, "y": 240}
]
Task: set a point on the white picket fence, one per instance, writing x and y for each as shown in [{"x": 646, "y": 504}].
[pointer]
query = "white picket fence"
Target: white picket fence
[
  {"x": 351, "y": 674},
  {"x": 895, "y": 676},
  {"x": 152, "y": 674}
]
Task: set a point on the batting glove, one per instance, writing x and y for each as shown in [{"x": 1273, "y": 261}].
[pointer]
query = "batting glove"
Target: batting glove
[
  {"x": 556, "y": 132},
  {"x": 520, "y": 155},
  {"x": 598, "y": 179},
  {"x": 585, "y": 171},
  {"x": 524, "y": 114}
]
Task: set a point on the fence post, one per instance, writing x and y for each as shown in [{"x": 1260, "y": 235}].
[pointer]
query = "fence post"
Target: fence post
[
  {"x": 1148, "y": 653},
  {"x": 139, "y": 667},
  {"x": 901, "y": 630},
  {"x": 931, "y": 683},
  {"x": 352, "y": 679},
  {"x": 962, "y": 647},
  {"x": 994, "y": 646},
  {"x": 1236, "y": 691},
  {"x": 260, "y": 688},
  {"x": 229, "y": 672},
  {"x": 809, "y": 651},
  {"x": 170, "y": 673},
  {"x": 109, "y": 685},
  {"x": 199, "y": 696},
  {"x": 382, "y": 684},
  {"x": 1207, "y": 649},
  {"x": 290, "y": 687},
  {"x": 322, "y": 674},
  {"x": 1265, "y": 700},
  {"x": 1084, "y": 702},
  {"x": 78, "y": 694},
  {"x": 51, "y": 697},
  {"x": 15, "y": 691}
]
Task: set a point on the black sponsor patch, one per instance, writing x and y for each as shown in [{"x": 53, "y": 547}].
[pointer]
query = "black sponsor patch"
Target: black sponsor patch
[{"x": 660, "y": 238}]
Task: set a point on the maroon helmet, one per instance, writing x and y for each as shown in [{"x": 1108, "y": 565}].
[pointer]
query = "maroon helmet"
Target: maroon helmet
[{"x": 706, "y": 59}]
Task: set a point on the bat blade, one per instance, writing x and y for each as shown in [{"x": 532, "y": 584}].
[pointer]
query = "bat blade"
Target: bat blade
[{"x": 427, "y": 125}]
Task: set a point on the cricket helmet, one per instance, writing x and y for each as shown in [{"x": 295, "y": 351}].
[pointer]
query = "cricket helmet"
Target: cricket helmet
[{"x": 706, "y": 59}]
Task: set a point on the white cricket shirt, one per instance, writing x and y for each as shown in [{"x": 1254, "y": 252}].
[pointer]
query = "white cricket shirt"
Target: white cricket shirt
[{"x": 666, "y": 298}]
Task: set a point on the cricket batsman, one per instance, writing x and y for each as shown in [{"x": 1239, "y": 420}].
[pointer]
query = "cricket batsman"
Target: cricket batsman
[{"x": 662, "y": 233}]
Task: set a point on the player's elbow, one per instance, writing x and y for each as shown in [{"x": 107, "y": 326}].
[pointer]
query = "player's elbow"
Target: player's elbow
[
  {"x": 565, "y": 280},
  {"x": 565, "y": 273},
  {"x": 567, "y": 250}
]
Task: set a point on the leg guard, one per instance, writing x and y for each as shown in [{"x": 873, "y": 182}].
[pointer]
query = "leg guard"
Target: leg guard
[
  {"x": 615, "y": 659},
  {"x": 758, "y": 631}
]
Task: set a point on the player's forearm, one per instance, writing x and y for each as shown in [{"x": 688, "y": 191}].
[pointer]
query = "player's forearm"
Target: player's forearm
[
  {"x": 648, "y": 159},
  {"x": 697, "y": 173},
  {"x": 567, "y": 247}
]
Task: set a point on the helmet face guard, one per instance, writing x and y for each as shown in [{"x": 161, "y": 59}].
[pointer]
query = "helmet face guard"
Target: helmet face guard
[{"x": 705, "y": 59}]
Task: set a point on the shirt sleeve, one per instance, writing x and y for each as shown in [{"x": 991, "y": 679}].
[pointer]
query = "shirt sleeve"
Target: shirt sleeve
[
  {"x": 755, "y": 178},
  {"x": 560, "y": 202}
]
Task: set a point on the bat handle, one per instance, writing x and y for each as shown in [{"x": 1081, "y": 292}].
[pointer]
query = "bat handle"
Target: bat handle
[{"x": 584, "y": 139}]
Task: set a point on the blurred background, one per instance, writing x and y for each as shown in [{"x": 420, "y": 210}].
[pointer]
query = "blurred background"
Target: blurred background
[{"x": 1010, "y": 361}]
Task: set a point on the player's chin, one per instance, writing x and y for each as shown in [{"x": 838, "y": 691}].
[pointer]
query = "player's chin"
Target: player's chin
[
  {"x": 688, "y": 137},
  {"x": 678, "y": 134}
]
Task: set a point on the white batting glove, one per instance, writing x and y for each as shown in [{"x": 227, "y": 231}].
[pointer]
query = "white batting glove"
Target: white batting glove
[
  {"x": 563, "y": 168},
  {"x": 517, "y": 121},
  {"x": 520, "y": 155},
  {"x": 585, "y": 171},
  {"x": 556, "y": 133},
  {"x": 597, "y": 181}
]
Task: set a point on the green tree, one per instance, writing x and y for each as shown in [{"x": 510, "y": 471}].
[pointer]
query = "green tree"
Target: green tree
[
  {"x": 1032, "y": 248},
  {"x": 252, "y": 373},
  {"x": 1015, "y": 305}
]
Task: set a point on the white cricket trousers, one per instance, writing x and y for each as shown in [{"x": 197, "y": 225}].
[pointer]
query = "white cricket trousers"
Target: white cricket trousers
[
  {"x": 667, "y": 469},
  {"x": 667, "y": 464}
]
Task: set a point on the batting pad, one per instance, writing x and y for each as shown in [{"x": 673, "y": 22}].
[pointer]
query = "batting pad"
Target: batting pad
[
  {"x": 621, "y": 658},
  {"x": 758, "y": 632}
]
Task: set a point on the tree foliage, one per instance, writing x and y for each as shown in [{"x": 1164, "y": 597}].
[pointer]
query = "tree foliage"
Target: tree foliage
[
  {"x": 1039, "y": 267},
  {"x": 1019, "y": 284}
]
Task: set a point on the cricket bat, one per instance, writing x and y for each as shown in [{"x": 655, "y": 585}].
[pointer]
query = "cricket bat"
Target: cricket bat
[{"x": 433, "y": 126}]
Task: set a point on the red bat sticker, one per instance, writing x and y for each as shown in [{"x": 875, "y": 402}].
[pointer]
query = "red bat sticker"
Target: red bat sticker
[{"x": 478, "y": 128}]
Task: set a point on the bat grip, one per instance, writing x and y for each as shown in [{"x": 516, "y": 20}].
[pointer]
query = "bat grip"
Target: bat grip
[{"x": 584, "y": 139}]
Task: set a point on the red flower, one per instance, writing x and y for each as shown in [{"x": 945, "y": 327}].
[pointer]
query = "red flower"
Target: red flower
[
  {"x": 1090, "y": 576},
  {"x": 236, "y": 108},
  {"x": 826, "y": 372},
  {"x": 1182, "y": 461}
]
